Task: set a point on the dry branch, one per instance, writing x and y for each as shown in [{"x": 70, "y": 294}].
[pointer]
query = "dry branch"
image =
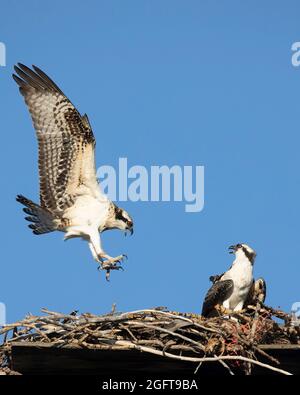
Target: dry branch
[{"x": 232, "y": 342}]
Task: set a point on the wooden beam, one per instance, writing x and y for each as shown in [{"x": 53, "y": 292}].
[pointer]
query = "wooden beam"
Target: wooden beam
[{"x": 44, "y": 358}]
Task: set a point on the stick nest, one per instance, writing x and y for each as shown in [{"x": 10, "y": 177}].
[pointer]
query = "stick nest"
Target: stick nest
[{"x": 233, "y": 342}]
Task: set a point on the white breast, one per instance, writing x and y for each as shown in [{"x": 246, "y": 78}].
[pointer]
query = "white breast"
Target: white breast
[
  {"x": 88, "y": 211},
  {"x": 241, "y": 273}
]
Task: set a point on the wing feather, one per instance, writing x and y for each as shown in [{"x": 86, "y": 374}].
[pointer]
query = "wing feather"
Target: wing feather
[
  {"x": 218, "y": 292},
  {"x": 65, "y": 138},
  {"x": 257, "y": 292}
]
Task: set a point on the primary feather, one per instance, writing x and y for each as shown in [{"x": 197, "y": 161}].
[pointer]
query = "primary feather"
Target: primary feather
[{"x": 65, "y": 138}]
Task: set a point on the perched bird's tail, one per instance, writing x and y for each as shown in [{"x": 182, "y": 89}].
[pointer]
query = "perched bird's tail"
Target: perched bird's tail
[{"x": 42, "y": 220}]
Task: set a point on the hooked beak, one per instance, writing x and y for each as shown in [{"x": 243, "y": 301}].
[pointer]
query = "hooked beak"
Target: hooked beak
[
  {"x": 232, "y": 249},
  {"x": 129, "y": 229}
]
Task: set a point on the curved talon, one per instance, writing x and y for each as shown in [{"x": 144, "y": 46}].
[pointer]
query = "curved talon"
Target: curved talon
[
  {"x": 112, "y": 266},
  {"x": 110, "y": 263}
]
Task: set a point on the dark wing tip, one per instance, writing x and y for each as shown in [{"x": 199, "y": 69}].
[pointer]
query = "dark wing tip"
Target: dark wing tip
[
  {"x": 37, "y": 69},
  {"x": 26, "y": 78},
  {"x": 28, "y": 211},
  {"x": 50, "y": 83},
  {"x": 18, "y": 80},
  {"x": 21, "y": 66},
  {"x": 20, "y": 198},
  {"x": 36, "y": 78}
]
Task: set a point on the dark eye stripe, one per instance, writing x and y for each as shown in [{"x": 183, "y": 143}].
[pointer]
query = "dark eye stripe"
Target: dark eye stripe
[
  {"x": 119, "y": 215},
  {"x": 249, "y": 255}
]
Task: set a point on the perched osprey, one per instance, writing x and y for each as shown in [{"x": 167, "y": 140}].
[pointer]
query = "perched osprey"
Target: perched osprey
[
  {"x": 257, "y": 292},
  {"x": 231, "y": 288},
  {"x": 71, "y": 200}
]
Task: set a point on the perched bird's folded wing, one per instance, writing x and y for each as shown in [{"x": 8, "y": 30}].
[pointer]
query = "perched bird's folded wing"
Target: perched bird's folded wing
[
  {"x": 65, "y": 138},
  {"x": 257, "y": 292},
  {"x": 262, "y": 286},
  {"x": 217, "y": 294}
]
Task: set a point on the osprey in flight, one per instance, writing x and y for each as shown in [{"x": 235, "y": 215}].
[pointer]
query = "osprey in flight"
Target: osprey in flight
[
  {"x": 231, "y": 289},
  {"x": 71, "y": 199}
]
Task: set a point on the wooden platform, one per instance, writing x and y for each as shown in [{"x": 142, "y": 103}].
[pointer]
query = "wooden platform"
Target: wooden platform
[{"x": 41, "y": 358}]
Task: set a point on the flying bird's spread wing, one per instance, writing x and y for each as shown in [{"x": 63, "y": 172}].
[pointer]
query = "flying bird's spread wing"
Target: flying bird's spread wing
[
  {"x": 65, "y": 138},
  {"x": 219, "y": 291},
  {"x": 71, "y": 200}
]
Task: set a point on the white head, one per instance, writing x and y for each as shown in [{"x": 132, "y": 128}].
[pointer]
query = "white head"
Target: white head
[
  {"x": 243, "y": 251},
  {"x": 119, "y": 219}
]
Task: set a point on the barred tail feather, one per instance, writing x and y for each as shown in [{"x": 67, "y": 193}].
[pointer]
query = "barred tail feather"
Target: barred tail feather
[{"x": 42, "y": 220}]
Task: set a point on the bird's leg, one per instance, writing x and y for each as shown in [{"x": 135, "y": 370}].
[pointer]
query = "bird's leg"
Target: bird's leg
[
  {"x": 107, "y": 262},
  {"x": 223, "y": 310},
  {"x": 93, "y": 251},
  {"x": 239, "y": 308}
]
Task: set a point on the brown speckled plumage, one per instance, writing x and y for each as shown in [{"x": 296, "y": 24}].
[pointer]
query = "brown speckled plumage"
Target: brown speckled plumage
[
  {"x": 71, "y": 199},
  {"x": 63, "y": 135}
]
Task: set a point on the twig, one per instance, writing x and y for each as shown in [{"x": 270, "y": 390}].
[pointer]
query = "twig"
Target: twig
[{"x": 205, "y": 359}]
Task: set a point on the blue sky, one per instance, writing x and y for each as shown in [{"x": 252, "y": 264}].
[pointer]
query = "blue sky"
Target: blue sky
[{"x": 164, "y": 83}]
